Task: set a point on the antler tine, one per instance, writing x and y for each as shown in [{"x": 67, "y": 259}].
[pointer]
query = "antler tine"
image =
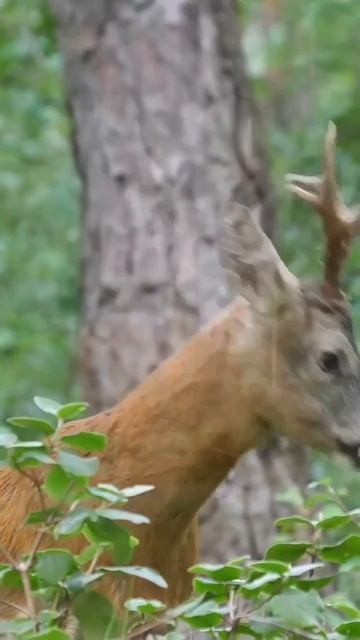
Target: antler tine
[{"x": 340, "y": 222}]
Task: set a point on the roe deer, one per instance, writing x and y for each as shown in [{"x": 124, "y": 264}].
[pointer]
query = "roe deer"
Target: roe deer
[{"x": 281, "y": 357}]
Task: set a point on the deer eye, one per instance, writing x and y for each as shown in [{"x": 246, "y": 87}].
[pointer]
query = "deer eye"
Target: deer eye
[{"x": 329, "y": 362}]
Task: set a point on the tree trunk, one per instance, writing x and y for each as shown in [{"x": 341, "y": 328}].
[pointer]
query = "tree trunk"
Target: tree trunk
[{"x": 164, "y": 127}]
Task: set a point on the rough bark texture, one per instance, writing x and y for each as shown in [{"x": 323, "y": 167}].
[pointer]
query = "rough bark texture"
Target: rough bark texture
[{"x": 164, "y": 127}]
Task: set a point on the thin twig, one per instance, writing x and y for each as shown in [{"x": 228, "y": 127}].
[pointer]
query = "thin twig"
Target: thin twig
[
  {"x": 11, "y": 560},
  {"x": 35, "y": 482},
  {"x": 150, "y": 626},
  {"x": 94, "y": 561},
  {"x": 23, "y": 569},
  {"x": 36, "y": 545},
  {"x": 42, "y": 532},
  {"x": 17, "y": 607}
]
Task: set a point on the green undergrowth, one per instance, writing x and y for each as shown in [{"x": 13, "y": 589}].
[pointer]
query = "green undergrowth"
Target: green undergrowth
[{"x": 293, "y": 593}]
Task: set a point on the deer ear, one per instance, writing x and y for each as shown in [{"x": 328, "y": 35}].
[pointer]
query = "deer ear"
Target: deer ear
[{"x": 253, "y": 266}]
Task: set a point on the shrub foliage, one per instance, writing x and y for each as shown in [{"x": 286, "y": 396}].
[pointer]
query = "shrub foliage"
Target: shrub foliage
[{"x": 292, "y": 593}]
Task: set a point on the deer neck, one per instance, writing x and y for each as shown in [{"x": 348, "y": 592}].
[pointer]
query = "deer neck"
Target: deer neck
[{"x": 185, "y": 427}]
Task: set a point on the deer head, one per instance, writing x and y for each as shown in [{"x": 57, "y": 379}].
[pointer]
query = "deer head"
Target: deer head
[{"x": 305, "y": 359}]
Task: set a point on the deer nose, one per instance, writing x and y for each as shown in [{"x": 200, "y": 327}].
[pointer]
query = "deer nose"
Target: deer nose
[{"x": 352, "y": 451}]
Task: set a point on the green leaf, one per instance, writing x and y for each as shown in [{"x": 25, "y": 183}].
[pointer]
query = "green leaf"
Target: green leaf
[
  {"x": 27, "y": 444},
  {"x": 11, "y": 578},
  {"x": 47, "y": 405},
  {"x": 73, "y": 522},
  {"x": 137, "y": 490},
  {"x": 34, "y": 459},
  {"x": 134, "y": 542},
  {"x": 187, "y": 606},
  {"x": 57, "y": 483},
  {"x": 205, "y": 584},
  {"x": 23, "y": 455},
  {"x": 52, "y": 634},
  {"x": 145, "y": 573},
  {"x": 4, "y": 568},
  {"x": 47, "y": 617},
  {"x": 205, "y": 621},
  {"x": 42, "y": 426},
  {"x": 27, "y": 434},
  {"x": 86, "y": 441},
  {"x": 119, "y": 514},
  {"x": 78, "y": 466},
  {"x": 36, "y": 517},
  {"x": 142, "y": 606},
  {"x": 347, "y": 608},
  {"x": 270, "y": 565},
  {"x": 287, "y": 551},
  {"x": 87, "y": 554},
  {"x": 107, "y": 531},
  {"x": 71, "y": 410},
  {"x": 96, "y": 616},
  {"x": 309, "y": 584},
  {"x": 107, "y": 492},
  {"x": 79, "y": 581},
  {"x": 259, "y": 583},
  {"x": 350, "y": 629},
  {"x": 350, "y": 565},
  {"x": 296, "y": 609},
  {"x": 290, "y": 522},
  {"x": 342, "y": 551},
  {"x": 54, "y": 565},
  {"x": 330, "y": 509},
  {"x": 333, "y": 522},
  {"x": 220, "y": 572},
  {"x": 300, "y": 569},
  {"x": 205, "y": 615},
  {"x": 319, "y": 498},
  {"x": 243, "y": 629}
]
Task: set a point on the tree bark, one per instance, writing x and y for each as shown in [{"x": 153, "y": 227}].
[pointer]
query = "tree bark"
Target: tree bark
[{"x": 164, "y": 126}]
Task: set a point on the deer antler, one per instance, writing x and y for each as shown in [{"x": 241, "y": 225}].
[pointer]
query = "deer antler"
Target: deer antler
[{"x": 341, "y": 223}]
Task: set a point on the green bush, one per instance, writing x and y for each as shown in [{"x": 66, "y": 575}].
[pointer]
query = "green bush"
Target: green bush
[
  {"x": 40, "y": 212},
  {"x": 292, "y": 593}
]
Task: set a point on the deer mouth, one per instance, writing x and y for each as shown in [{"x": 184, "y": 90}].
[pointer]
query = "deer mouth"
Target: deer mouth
[{"x": 352, "y": 451}]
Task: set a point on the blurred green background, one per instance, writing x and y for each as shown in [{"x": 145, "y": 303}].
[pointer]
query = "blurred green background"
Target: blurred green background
[{"x": 39, "y": 221}]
